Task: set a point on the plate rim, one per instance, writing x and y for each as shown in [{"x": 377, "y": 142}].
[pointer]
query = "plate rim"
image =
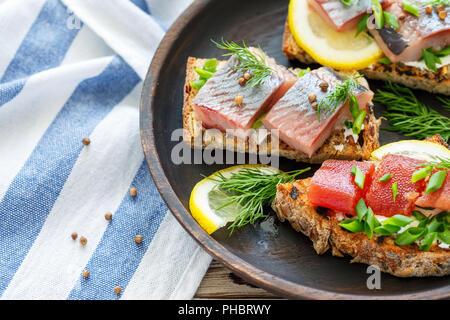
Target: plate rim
[{"x": 238, "y": 265}]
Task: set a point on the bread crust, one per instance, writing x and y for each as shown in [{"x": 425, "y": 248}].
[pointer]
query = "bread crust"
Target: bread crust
[
  {"x": 325, "y": 233},
  {"x": 416, "y": 78},
  {"x": 351, "y": 150}
]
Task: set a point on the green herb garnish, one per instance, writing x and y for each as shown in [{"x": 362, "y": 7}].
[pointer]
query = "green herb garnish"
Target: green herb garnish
[
  {"x": 205, "y": 73},
  {"x": 386, "y": 177},
  {"x": 303, "y": 72},
  {"x": 394, "y": 190},
  {"x": 408, "y": 116},
  {"x": 339, "y": 95},
  {"x": 436, "y": 181},
  {"x": 411, "y": 8},
  {"x": 378, "y": 13},
  {"x": 252, "y": 189},
  {"x": 366, "y": 220},
  {"x": 361, "y": 209},
  {"x": 409, "y": 236},
  {"x": 421, "y": 174},
  {"x": 362, "y": 24},
  {"x": 391, "y": 19},
  {"x": 347, "y": 2},
  {"x": 353, "y": 225},
  {"x": 359, "y": 176},
  {"x": 431, "y": 58},
  {"x": 251, "y": 62},
  {"x": 384, "y": 60}
]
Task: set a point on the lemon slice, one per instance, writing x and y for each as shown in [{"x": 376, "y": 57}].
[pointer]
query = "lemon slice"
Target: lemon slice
[
  {"x": 205, "y": 197},
  {"x": 338, "y": 50},
  {"x": 418, "y": 149}
]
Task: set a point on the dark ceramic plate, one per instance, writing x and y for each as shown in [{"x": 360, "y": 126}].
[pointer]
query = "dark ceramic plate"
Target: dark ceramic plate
[{"x": 279, "y": 259}]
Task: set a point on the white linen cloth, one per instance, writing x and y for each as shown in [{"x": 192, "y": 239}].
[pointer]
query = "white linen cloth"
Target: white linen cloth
[{"x": 71, "y": 69}]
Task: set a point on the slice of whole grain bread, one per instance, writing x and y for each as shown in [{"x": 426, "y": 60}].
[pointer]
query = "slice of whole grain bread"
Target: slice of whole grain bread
[
  {"x": 291, "y": 203},
  {"x": 336, "y": 147},
  {"x": 416, "y": 78}
]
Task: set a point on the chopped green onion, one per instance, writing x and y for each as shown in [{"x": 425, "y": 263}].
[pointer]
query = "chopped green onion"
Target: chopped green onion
[
  {"x": 357, "y": 124},
  {"x": 198, "y": 84},
  {"x": 443, "y": 53},
  {"x": 436, "y": 181},
  {"x": 210, "y": 65},
  {"x": 384, "y": 60},
  {"x": 391, "y": 19},
  {"x": 359, "y": 176},
  {"x": 430, "y": 59},
  {"x": 203, "y": 73},
  {"x": 361, "y": 209},
  {"x": 353, "y": 225},
  {"x": 348, "y": 124},
  {"x": 411, "y": 8},
  {"x": 421, "y": 174},
  {"x": 378, "y": 13},
  {"x": 435, "y": 225},
  {"x": 304, "y": 71},
  {"x": 398, "y": 220},
  {"x": 445, "y": 236},
  {"x": 409, "y": 236},
  {"x": 386, "y": 177},
  {"x": 394, "y": 190},
  {"x": 370, "y": 223},
  {"x": 386, "y": 230},
  {"x": 362, "y": 24},
  {"x": 354, "y": 106},
  {"x": 347, "y": 2},
  {"x": 419, "y": 216},
  {"x": 427, "y": 241}
]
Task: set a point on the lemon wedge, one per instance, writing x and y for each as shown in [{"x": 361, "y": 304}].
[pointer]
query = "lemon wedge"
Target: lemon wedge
[
  {"x": 338, "y": 50},
  {"x": 417, "y": 149},
  {"x": 205, "y": 197}
]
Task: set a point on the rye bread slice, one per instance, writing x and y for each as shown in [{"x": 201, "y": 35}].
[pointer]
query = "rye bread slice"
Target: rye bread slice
[{"x": 331, "y": 149}]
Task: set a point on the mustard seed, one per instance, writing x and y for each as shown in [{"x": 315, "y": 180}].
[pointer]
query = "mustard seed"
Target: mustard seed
[
  {"x": 133, "y": 192},
  {"x": 402, "y": 17},
  {"x": 74, "y": 235},
  {"x": 440, "y": 8},
  {"x": 108, "y": 216},
  {"x": 442, "y": 14},
  {"x": 247, "y": 76},
  {"x": 241, "y": 82},
  {"x": 324, "y": 86},
  {"x": 314, "y": 105},
  {"x": 312, "y": 97},
  {"x": 117, "y": 290},
  {"x": 429, "y": 9},
  {"x": 83, "y": 241},
  {"x": 86, "y": 141},
  {"x": 138, "y": 238},
  {"x": 86, "y": 274},
  {"x": 238, "y": 99}
]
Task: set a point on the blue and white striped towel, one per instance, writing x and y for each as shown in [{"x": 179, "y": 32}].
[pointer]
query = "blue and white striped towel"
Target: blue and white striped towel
[{"x": 71, "y": 69}]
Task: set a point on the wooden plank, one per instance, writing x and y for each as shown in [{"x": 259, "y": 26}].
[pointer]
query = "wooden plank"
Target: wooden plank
[{"x": 221, "y": 283}]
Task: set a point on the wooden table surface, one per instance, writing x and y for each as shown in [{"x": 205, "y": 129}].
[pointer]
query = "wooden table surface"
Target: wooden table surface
[{"x": 221, "y": 283}]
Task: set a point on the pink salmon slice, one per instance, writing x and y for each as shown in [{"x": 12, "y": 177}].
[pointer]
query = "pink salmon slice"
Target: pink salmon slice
[
  {"x": 297, "y": 121},
  {"x": 215, "y": 105},
  {"x": 415, "y": 33}
]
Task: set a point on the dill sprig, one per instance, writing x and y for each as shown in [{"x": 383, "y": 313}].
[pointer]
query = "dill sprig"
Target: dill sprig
[
  {"x": 252, "y": 189},
  {"x": 340, "y": 94},
  {"x": 253, "y": 63},
  {"x": 408, "y": 116},
  {"x": 437, "y": 2},
  {"x": 441, "y": 164}
]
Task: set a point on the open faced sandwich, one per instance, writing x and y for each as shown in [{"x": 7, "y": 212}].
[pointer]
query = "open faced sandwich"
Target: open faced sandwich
[
  {"x": 316, "y": 115},
  {"x": 406, "y": 41}
]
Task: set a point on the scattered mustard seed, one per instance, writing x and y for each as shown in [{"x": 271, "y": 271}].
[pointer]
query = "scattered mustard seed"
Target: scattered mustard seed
[
  {"x": 314, "y": 105},
  {"x": 108, "y": 216},
  {"x": 402, "y": 17},
  {"x": 74, "y": 235},
  {"x": 442, "y": 14},
  {"x": 241, "y": 82},
  {"x": 117, "y": 290},
  {"x": 324, "y": 86},
  {"x": 138, "y": 238},
  {"x": 429, "y": 9},
  {"x": 86, "y": 274},
  {"x": 133, "y": 192},
  {"x": 440, "y": 8},
  {"x": 312, "y": 97},
  {"x": 86, "y": 141},
  {"x": 247, "y": 76},
  {"x": 238, "y": 99},
  {"x": 83, "y": 241}
]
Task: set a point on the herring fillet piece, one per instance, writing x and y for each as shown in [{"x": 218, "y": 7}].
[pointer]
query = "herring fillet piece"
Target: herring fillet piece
[
  {"x": 215, "y": 106},
  {"x": 415, "y": 33},
  {"x": 340, "y": 16},
  {"x": 297, "y": 122}
]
